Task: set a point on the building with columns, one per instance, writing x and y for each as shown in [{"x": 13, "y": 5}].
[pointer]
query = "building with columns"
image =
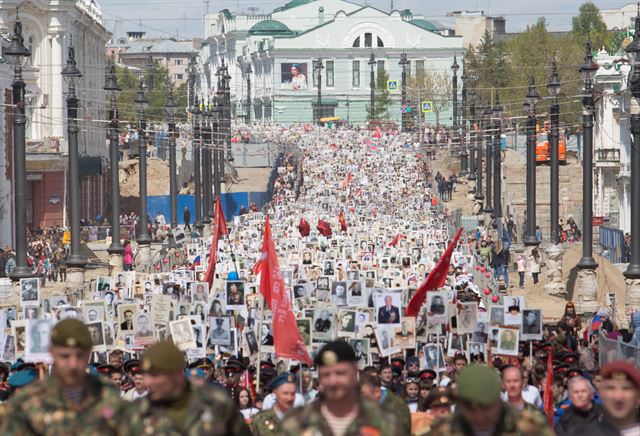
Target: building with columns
[
  {"x": 49, "y": 27},
  {"x": 282, "y": 48}
]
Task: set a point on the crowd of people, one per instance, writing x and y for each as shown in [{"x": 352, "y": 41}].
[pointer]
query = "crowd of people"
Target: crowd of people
[{"x": 357, "y": 233}]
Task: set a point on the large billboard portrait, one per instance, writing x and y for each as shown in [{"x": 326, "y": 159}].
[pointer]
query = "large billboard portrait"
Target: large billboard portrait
[{"x": 293, "y": 76}]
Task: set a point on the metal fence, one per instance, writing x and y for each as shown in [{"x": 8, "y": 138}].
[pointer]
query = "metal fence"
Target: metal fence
[{"x": 610, "y": 350}]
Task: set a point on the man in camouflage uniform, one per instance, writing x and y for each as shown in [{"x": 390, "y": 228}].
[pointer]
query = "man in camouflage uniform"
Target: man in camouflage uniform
[
  {"x": 173, "y": 406},
  {"x": 339, "y": 409},
  {"x": 371, "y": 388},
  {"x": 284, "y": 389},
  {"x": 70, "y": 401},
  {"x": 480, "y": 409}
]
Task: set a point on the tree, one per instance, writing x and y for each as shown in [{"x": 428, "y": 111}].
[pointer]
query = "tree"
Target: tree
[
  {"x": 434, "y": 86},
  {"x": 382, "y": 96},
  {"x": 590, "y": 25}
]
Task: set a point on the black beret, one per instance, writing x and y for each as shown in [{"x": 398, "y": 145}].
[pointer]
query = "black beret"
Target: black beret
[{"x": 335, "y": 352}]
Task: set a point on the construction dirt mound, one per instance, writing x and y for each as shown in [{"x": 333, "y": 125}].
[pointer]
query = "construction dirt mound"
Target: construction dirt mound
[{"x": 157, "y": 177}]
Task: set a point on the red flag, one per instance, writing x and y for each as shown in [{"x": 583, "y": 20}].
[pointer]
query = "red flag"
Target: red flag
[
  {"x": 304, "y": 227},
  {"x": 436, "y": 278},
  {"x": 287, "y": 340},
  {"x": 396, "y": 239},
  {"x": 346, "y": 181},
  {"x": 324, "y": 228},
  {"x": 219, "y": 229},
  {"x": 343, "y": 222},
  {"x": 548, "y": 395}
]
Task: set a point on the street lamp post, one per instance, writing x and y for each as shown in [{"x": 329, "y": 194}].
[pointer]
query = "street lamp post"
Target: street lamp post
[
  {"x": 477, "y": 147},
  {"x": 227, "y": 116},
  {"x": 554, "y": 89},
  {"x": 497, "y": 161},
  {"x": 197, "y": 113},
  {"x": 116, "y": 249},
  {"x": 76, "y": 261},
  {"x": 404, "y": 115},
  {"x": 248, "y": 116},
  {"x": 454, "y": 81},
  {"x": 142, "y": 103},
  {"x": 206, "y": 165},
  {"x": 530, "y": 108},
  {"x": 487, "y": 141},
  {"x": 17, "y": 52},
  {"x": 372, "y": 86},
  {"x": 472, "y": 136},
  {"x": 220, "y": 148},
  {"x": 318, "y": 67},
  {"x": 171, "y": 109},
  {"x": 216, "y": 145}
]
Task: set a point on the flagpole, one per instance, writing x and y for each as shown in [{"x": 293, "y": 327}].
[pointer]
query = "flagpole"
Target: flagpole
[{"x": 261, "y": 307}]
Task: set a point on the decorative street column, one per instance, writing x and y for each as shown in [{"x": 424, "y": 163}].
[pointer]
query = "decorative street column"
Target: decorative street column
[
  {"x": 531, "y": 100},
  {"x": 143, "y": 239}
]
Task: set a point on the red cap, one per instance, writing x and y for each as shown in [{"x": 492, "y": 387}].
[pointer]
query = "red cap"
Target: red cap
[{"x": 621, "y": 369}]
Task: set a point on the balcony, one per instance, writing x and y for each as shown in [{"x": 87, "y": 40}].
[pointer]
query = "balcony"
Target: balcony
[{"x": 607, "y": 157}]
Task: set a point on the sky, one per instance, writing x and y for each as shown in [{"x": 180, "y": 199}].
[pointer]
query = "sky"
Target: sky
[{"x": 184, "y": 18}]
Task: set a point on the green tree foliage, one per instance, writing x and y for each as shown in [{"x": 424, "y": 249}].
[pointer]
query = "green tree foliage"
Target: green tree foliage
[
  {"x": 382, "y": 96},
  {"x": 430, "y": 85},
  {"x": 588, "y": 24}
]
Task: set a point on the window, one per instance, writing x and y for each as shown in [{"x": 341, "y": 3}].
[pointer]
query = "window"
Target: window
[
  {"x": 380, "y": 43},
  {"x": 367, "y": 40},
  {"x": 314, "y": 65},
  {"x": 356, "y": 43},
  {"x": 355, "y": 77},
  {"x": 177, "y": 76},
  {"x": 329, "y": 72},
  {"x": 178, "y": 61},
  {"x": 380, "y": 66},
  {"x": 419, "y": 67}
]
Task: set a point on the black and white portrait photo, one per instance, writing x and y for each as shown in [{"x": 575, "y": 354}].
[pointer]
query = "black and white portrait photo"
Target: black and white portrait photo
[
  {"x": 433, "y": 356},
  {"x": 29, "y": 290},
  {"x": 531, "y": 324},
  {"x": 38, "y": 339},
  {"x": 323, "y": 324},
  {"x": 219, "y": 331}
]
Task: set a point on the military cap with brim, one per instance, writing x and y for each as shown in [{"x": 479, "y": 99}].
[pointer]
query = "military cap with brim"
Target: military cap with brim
[
  {"x": 162, "y": 357},
  {"x": 479, "y": 384},
  {"x": 132, "y": 365},
  {"x": 427, "y": 373},
  {"x": 71, "y": 333},
  {"x": 335, "y": 352},
  {"x": 282, "y": 379},
  {"x": 439, "y": 396},
  {"x": 621, "y": 370},
  {"x": 107, "y": 369}
]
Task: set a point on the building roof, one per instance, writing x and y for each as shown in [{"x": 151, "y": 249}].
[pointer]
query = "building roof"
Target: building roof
[
  {"x": 157, "y": 46},
  {"x": 293, "y": 4},
  {"x": 424, "y": 24},
  {"x": 271, "y": 27}
]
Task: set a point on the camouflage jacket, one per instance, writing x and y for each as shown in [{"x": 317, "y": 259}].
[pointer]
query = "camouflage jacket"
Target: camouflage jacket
[
  {"x": 41, "y": 409},
  {"x": 398, "y": 408},
  {"x": 512, "y": 423},
  {"x": 265, "y": 423},
  {"x": 309, "y": 421},
  {"x": 210, "y": 411}
]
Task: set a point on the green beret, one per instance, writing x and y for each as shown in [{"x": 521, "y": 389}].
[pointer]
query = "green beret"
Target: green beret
[
  {"x": 335, "y": 352},
  {"x": 479, "y": 384},
  {"x": 71, "y": 333},
  {"x": 283, "y": 378},
  {"x": 163, "y": 357}
]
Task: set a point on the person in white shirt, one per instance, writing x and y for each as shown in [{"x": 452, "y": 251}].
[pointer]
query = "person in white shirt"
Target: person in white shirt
[
  {"x": 138, "y": 390},
  {"x": 530, "y": 394}
]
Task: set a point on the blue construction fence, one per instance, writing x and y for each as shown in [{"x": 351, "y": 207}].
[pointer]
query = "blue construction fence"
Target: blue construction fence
[
  {"x": 231, "y": 204},
  {"x": 612, "y": 243}
]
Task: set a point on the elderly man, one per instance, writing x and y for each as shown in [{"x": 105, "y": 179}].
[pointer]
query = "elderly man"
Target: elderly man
[
  {"x": 480, "y": 411},
  {"x": 175, "y": 406},
  {"x": 70, "y": 401},
  {"x": 284, "y": 389},
  {"x": 513, "y": 382},
  {"x": 583, "y": 411},
  {"x": 341, "y": 408}
]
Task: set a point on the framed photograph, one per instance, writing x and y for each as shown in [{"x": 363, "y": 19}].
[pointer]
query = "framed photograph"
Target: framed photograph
[
  {"x": 220, "y": 331},
  {"x": 433, "y": 357},
  {"x": 362, "y": 347},
  {"x": 9, "y": 348},
  {"x": 347, "y": 322},
  {"x": 252, "y": 342},
  {"x": 508, "y": 341},
  {"x": 38, "y": 339},
  {"x": 304, "y": 329},
  {"x": 531, "y": 325},
  {"x": 437, "y": 307},
  {"x": 496, "y": 315},
  {"x": 30, "y": 290},
  {"x": 103, "y": 284},
  {"x": 235, "y": 294},
  {"x": 200, "y": 292},
  {"x": 182, "y": 334},
  {"x": 456, "y": 344},
  {"x": 323, "y": 324},
  {"x": 126, "y": 317},
  {"x": 355, "y": 293},
  {"x": 480, "y": 334},
  {"x": 405, "y": 334},
  {"x": 339, "y": 293},
  {"x": 266, "y": 336},
  {"x": 109, "y": 333},
  {"x": 96, "y": 331},
  {"x": 11, "y": 314},
  {"x": 198, "y": 334},
  {"x": 513, "y": 307},
  {"x": 93, "y": 312},
  {"x": 300, "y": 290},
  {"x": 31, "y": 311},
  {"x": 477, "y": 351},
  {"x": 143, "y": 331},
  {"x": 388, "y": 308},
  {"x": 467, "y": 317}
]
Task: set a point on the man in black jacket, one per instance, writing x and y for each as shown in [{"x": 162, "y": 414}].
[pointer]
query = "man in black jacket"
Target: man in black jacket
[
  {"x": 583, "y": 412},
  {"x": 186, "y": 216}
]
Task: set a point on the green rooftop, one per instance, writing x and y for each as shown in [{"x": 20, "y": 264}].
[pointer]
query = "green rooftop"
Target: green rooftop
[
  {"x": 270, "y": 27},
  {"x": 424, "y": 24}
]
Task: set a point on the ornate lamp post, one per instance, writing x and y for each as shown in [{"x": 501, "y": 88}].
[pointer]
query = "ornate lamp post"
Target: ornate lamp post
[
  {"x": 17, "y": 53},
  {"x": 76, "y": 261},
  {"x": 372, "y": 86},
  {"x": 115, "y": 249},
  {"x": 206, "y": 164},
  {"x": 171, "y": 109},
  {"x": 554, "y": 89},
  {"x": 142, "y": 103},
  {"x": 249, "y": 70},
  {"x": 197, "y": 115},
  {"x": 487, "y": 136},
  {"x": 530, "y": 108},
  {"x": 217, "y": 115},
  {"x": 497, "y": 170},
  {"x": 473, "y": 167},
  {"x": 455, "y": 67},
  {"x": 404, "y": 116},
  {"x": 319, "y": 67},
  {"x": 227, "y": 115}
]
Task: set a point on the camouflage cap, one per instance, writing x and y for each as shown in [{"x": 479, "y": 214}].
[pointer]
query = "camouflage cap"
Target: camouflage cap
[
  {"x": 479, "y": 384},
  {"x": 71, "y": 333},
  {"x": 163, "y": 357},
  {"x": 335, "y": 352}
]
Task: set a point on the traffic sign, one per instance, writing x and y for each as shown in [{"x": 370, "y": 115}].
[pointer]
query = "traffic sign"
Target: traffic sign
[
  {"x": 427, "y": 106},
  {"x": 392, "y": 85}
]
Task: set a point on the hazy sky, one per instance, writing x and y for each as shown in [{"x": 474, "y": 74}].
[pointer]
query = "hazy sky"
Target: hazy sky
[{"x": 184, "y": 18}]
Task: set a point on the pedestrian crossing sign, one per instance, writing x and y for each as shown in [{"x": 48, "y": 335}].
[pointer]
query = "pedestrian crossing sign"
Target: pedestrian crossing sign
[
  {"x": 427, "y": 106},
  {"x": 392, "y": 85}
]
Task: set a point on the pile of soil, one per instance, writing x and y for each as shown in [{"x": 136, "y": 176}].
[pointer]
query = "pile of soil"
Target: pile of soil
[{"x": 157, "y": 177}]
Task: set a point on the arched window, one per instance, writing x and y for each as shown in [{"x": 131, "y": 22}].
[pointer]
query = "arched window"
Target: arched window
[
  {"x": 380, "y": 43},
  {"x": 356, "y": 43}
]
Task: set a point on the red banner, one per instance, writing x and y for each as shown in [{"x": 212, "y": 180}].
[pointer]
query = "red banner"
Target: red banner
[
  {"x": 547, "y": 394},
  {"x": 343, "y": 222},
  {"x": 219, "y": 229},
  {"x": 436, "y": 278},
  {"x": 304, "y": 227},
  {"x": 324, "y": 228},
  {"x": 287, "y": 340}
]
